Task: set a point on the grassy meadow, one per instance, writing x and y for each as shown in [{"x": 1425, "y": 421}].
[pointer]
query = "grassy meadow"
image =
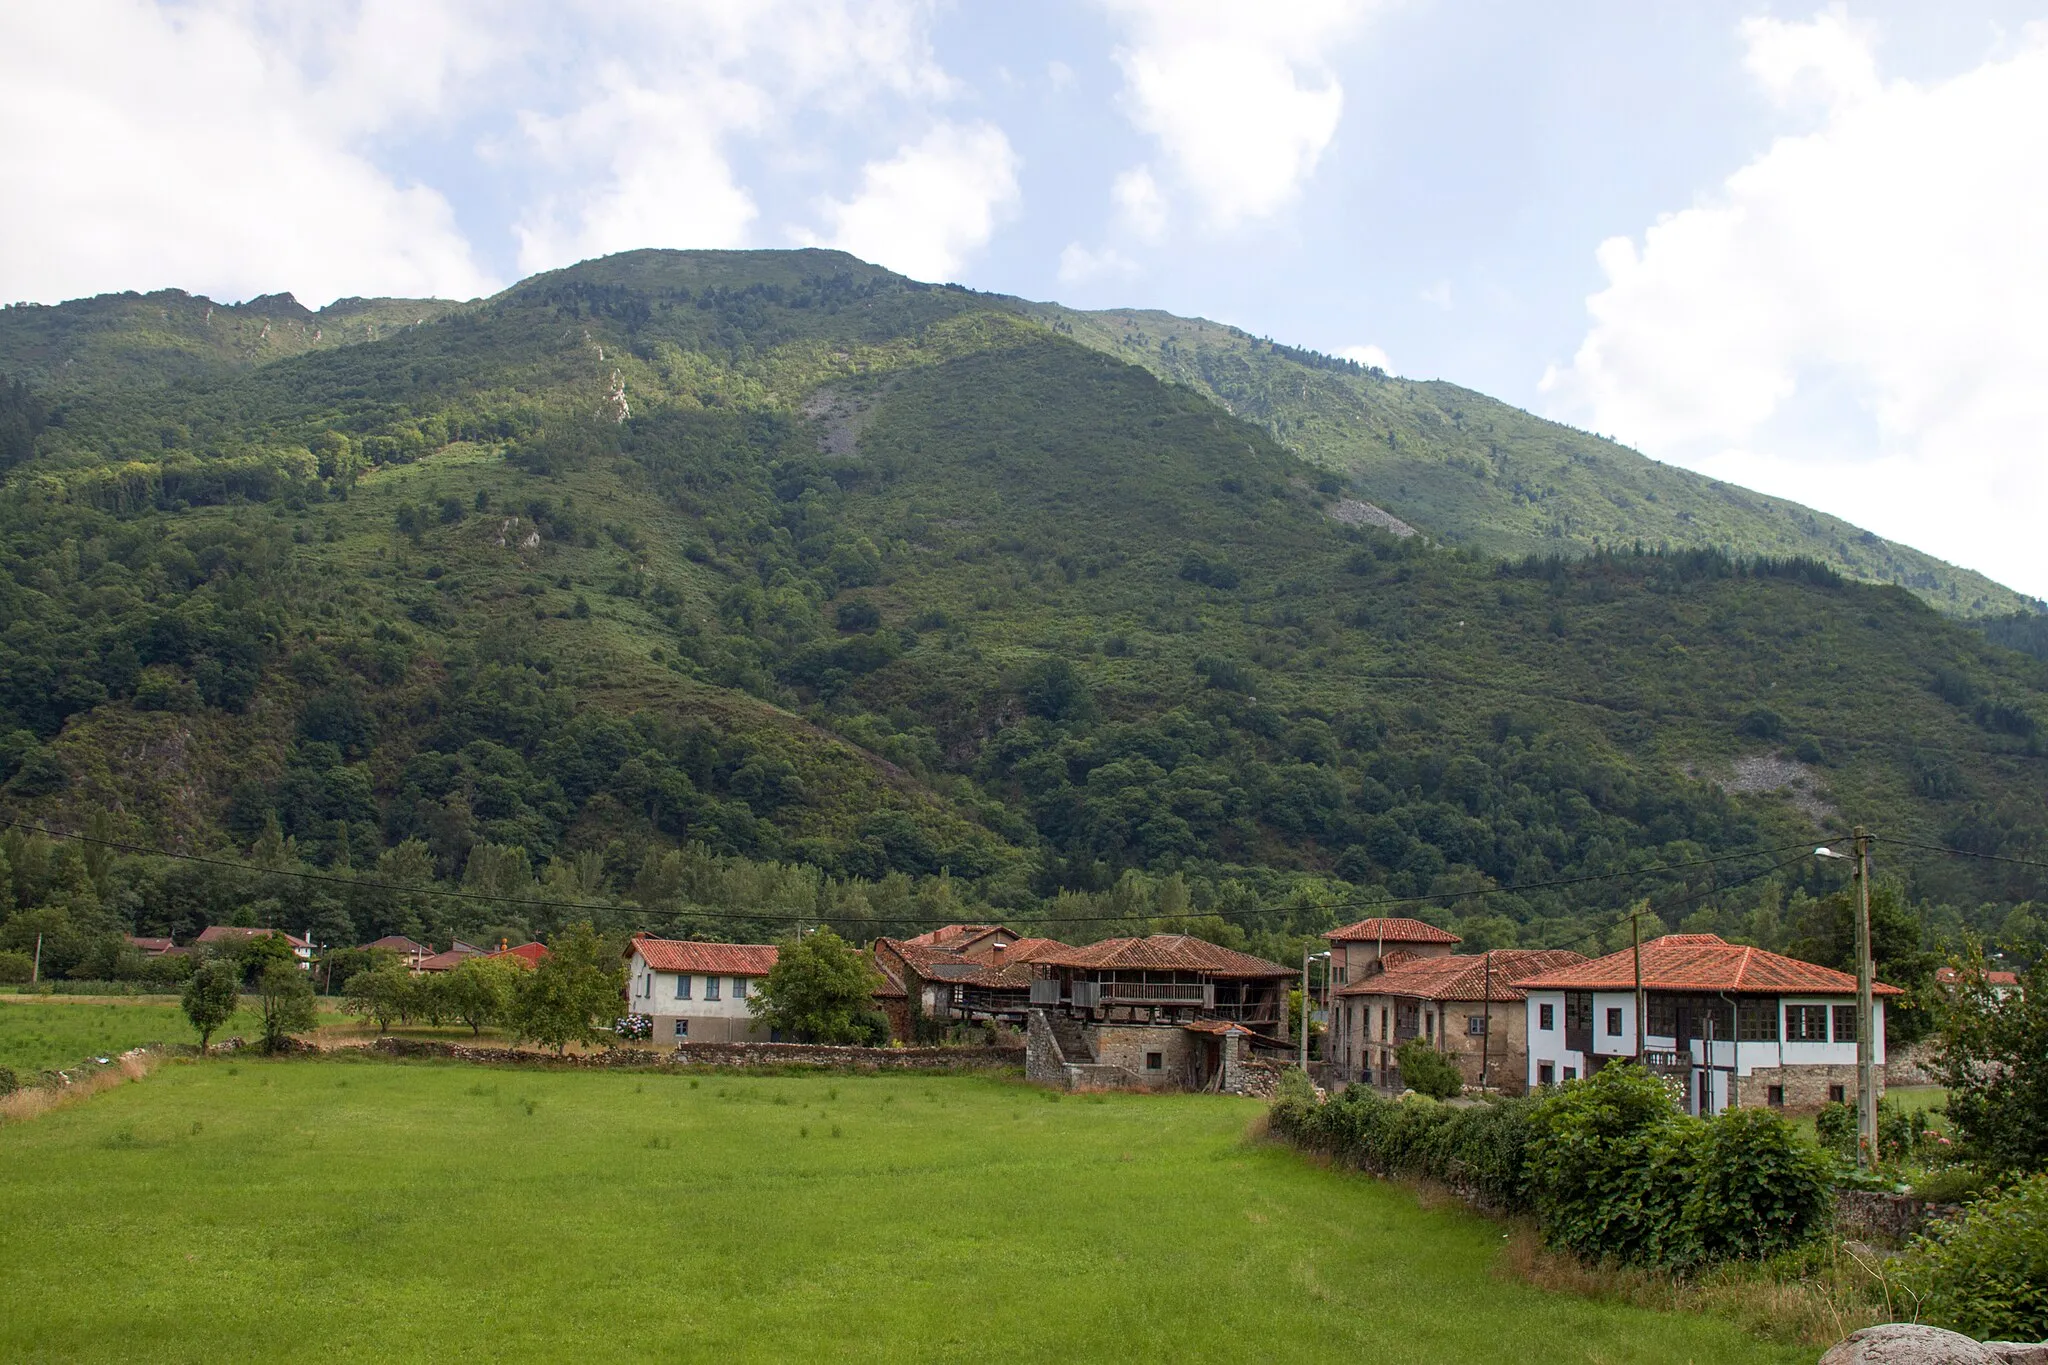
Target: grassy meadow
[
  {"x": 41, "y": 1033},
  {"x": 243, "y": 1209}
]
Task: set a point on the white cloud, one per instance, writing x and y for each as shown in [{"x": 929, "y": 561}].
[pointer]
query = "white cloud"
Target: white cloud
[
  {"x": 925, "y": 210},
  {"x": 1853, "y": 319},
  {"x": 1239, "y": 96},
  {"x": 1079, "y": 265},
  {"x": 1371, "y": 356},
  {"x": 1140, "y": 205},
  {"x": 198, "y": 147}
]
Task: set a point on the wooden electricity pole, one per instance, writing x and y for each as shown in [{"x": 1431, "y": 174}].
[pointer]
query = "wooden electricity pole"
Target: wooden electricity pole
[
  {"x": 1486, "y": 1033},
  {"x": 1866, "y": 1042},
  {"x": 1635, "y": 931}
]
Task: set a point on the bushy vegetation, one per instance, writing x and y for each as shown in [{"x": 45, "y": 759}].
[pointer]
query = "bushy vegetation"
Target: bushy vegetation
[
  {"x": 1985, "y": 1272},
  {"x": 1992, "y": 1054},
  {"x": 1427, "y": 1071},
  {"x": 1609, "y": 1168}
]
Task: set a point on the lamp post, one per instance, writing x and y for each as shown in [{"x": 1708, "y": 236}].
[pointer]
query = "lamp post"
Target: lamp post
[
  {"x": 1306, "y": 958},
  {"x": 1866, "y": 1042}
]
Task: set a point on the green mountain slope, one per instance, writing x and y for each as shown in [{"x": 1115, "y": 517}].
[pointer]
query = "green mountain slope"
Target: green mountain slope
[
  {"x": 686, "y": 580},
  {"x": 1475, "y": 471}
]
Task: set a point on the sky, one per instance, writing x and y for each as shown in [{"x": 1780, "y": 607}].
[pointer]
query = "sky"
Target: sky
[{"x": 1801, "y": 248}]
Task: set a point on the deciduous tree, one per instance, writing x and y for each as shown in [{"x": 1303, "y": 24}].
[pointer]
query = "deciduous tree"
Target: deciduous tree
[
  {"x": 821, "y": 990},
  {"x": 210, "y": 998}
]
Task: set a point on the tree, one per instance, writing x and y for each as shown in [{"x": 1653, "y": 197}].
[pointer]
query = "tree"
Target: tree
[
  {"x": 1992, "y": 1054},
  {"x": 821, "y": 990},
  {"x": 285, "y": 997},
  {"x": 572, "y": 995},
  {"x": 1427, "y": 1071},
  {"x": 479, "y": 991},
  {"x": 211, "y": 997},
  {"x": 381, "y": 993},
  {"x": 1826, "y": 933}
]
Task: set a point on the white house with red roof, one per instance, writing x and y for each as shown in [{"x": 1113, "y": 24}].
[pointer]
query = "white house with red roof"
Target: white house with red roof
[
  {"x": 219, "y": 935},
  {"x": 1730, "y": 1024},
  {"x": 697, "y": 992},
  {"x": 1467, "y": 1007}
]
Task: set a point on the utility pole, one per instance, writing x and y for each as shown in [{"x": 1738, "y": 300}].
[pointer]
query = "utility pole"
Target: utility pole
[
  {"x": 1866, "y": 1043},
  {"x": 1304, "y": 1009},
  {"x": 35, "y": 973},
  {"x": 1486, "y": 1035},
  {"x": 1635, "y": 930}
]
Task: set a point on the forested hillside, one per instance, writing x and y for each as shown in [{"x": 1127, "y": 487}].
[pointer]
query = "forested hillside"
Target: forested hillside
[
  {"x": 719, "y": 589},
  {"x": 1477, "y": 472}
]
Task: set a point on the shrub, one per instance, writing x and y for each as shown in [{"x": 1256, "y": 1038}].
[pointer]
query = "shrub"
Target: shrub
[
  {"x": 1985, "y": 1272},
  {"x": 1758, "y": 1188},
  {"x": 1427, "y": 1071},
  {"x": 9, "y": 1082},
  {"x": 1835, "y": 1126},
  {"x": 1477, "y": 1148},
  {"x": 15, "y": 968}
]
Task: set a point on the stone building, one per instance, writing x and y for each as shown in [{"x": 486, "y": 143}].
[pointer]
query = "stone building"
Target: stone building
[
  {"x": 1729, "y": 1024},
  {"x": 1467, "y": 1007}
]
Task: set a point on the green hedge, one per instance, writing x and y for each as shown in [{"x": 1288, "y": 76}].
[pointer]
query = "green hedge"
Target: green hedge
[
  {"x": 1608, "y": 1166},
  {"x": 1985, "y": 1272}
]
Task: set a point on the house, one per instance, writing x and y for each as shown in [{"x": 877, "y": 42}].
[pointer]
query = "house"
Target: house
[
  {"x": 214, "y": 935},
  {"x": 1358, "y": 950},
  {"x": 697, "y": 992},
  {"x": 457, "y": 954},
  {"x": 986, "y": 977},
  {"x": 1163, "y": 1012},
  {"x": 520, "y": 955},
  {"x": 2000, "y": 984},
  {"x": 408, "y": 951},
  {"x": 1729, "y": 1025},
  {"x": 1469, "y": 1007},
  {"x": 153, "y": 947}
]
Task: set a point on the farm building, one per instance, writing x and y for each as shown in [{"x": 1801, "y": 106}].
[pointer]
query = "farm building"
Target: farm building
[
  {"x": 1732, "y": 1025},
  {"x": 697, "y": 992},
  {"x": 1467, "y": 1007}
]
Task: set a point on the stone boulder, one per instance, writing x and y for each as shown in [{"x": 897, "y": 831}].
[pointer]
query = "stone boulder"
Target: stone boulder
[{"x": 1910, "y": 1343}]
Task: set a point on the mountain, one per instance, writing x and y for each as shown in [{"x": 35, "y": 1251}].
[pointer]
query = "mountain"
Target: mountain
[
  {"x": 1477, "y": 472},
  {"x": 702, "y": 582}
]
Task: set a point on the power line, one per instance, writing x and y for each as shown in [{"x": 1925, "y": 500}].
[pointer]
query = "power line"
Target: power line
[{"x": 1958, "y": 852}]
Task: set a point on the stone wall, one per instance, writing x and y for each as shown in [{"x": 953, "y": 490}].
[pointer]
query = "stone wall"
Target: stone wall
[
  {"x": 1126, "y": 1047},
  {"x": 1891, "y": 1219},
  {"x": 727, "y": 1055},
  {"x": 1806, "y": 1087}
]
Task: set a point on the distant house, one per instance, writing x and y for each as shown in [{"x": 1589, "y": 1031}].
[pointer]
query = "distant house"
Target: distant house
[
  {"x": 523, "y": 954},
  {"x": 220, "y": 934},
  {"x": 987, "y": 976},
  {"x": 1730, "y": 1025},
  {"x": 2000, "y": 984},
  {"x": 1163, "y": 1012},
  {"x": 152, "y": 947},
  {"x": 1467, "y": 1007},
  {"x": 697, "y": 992},
  {"x": 408, "y": 951},
  {"x": 457, "y": 954},
  {"x": 1358, "y": 950}
]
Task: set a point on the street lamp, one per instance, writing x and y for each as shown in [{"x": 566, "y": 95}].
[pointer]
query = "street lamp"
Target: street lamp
[
  {"x": 1866, "y": 1042},
  {"x": 1306, "y": 958}
]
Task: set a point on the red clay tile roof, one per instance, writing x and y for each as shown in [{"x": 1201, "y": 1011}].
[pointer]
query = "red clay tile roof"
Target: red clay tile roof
[
  {"x": 1223, "y": 1027},
  {"x": 1464, "y": 977},
  {"x": 1391, "y": 931},
  {"x": 1947, "y": 976},
  {"x": 222, "y": 933},
  {"x": 1165, "y": 953},
  {"x": 1703, "y": 962},
  {"x": 525, "y": 954},
  {"x": 712, "y": 959},
  {"x": 151, "y": 945},
  {"x": 938, "y": 964},
  {"x": 1031, "y": 949},
  {"x": 399, "y": 943},
  {"x": 456, "y": 955},
  {"x": 955, "y": 935}
]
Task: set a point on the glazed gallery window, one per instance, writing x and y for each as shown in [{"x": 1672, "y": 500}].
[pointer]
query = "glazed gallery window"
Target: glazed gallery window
[
  {"x": 1806, "y": 1023},
  {"x": 1845, "y": 1023},
  {"x": 1756, "y": 1021}
]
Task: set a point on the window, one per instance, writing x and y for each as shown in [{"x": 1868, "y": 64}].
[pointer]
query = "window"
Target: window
[
  {"x": 1614, "y": 1021},
  {"x": 1475, "y": 1025},
  {"x": 683, "y": 986},
  {"x": 1571, "y": 1073},
  {"x": 1155, "y": 1061},
  {"x": 1806, "y": 1023},
  {"x": 1546, "y": 1073},
  {"x": 739, "y": 988},
  {"x": 1383, "y": 1023},
  {"x": 1756, "y": 1021},
  {"x": 1429, "y": 1027},
  {"x": 1663, "y": 1017},
  {"x": 682, "y": 1028},
  {"x": 1546, "y": 1017},
  {"x": 1775, "y": 1096},
  {"x": 1837, "y": 1095},
  {"x": 710, "y": 988},
  {"x": 1845, "y": 1023},
  {"x": 1341, "y": 973},
  {"x": 647, "y": 985}
]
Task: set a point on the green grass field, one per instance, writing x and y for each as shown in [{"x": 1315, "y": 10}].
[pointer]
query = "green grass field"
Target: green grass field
[
  {"x": 240, "y": 1210},
  {"x": 45, "y": 1033}
]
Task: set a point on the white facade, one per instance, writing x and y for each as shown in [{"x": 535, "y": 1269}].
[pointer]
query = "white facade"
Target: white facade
[
  {"x": 1715, "y": 1071},
  {"x": 694, "y": 1007}
]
